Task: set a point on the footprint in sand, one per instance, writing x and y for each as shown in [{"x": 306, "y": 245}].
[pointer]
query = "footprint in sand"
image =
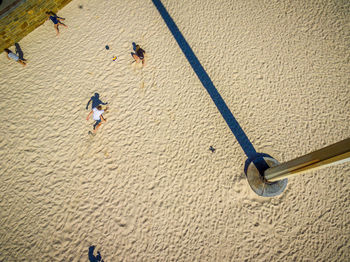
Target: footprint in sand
[
  {"x": 142, "y": 84},
  {"x": 135, "y": 66},
  {"x": 91, "y": 134}
]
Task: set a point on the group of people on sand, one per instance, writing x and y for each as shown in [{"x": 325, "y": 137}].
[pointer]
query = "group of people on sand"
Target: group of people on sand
[
  {"x": 56, "y": 21},
  {"x": 96, "y": 104},
  {"x": 97, "y": 109}
]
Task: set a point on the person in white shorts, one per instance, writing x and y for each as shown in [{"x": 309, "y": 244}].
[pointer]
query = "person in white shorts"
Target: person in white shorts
[{"x": 96, "y": 113}]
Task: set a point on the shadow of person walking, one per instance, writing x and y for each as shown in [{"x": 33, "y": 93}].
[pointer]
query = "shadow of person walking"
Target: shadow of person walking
[
  {"x": 92, "y": 257},
  {"x": 19, "y": 52},
  {"x": 95, "y": 101}
]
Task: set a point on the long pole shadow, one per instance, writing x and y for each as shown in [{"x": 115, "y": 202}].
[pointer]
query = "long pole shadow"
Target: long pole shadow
[{"x": 207, "y": 83}]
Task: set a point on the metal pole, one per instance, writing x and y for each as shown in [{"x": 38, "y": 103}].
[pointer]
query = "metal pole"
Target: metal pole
[{"x": 330, "y": 155}]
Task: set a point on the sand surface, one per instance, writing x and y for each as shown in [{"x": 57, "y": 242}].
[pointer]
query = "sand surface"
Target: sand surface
[{"x": 147, "y": 187}]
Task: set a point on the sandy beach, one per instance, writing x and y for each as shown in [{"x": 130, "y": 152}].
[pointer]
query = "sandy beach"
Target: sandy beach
[{"x": 147, "y": 187}]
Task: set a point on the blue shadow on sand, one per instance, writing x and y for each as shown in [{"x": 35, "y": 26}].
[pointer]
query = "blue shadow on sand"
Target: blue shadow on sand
[
  {"x": 206, "y": 81},
  {"x": 95, "y": 101},
  {"x": 92, "y": 257},
  {"x": 19, "y": 52}
]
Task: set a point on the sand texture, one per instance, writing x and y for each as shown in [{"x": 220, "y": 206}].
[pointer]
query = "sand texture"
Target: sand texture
[{"x": 147, "y": 187}]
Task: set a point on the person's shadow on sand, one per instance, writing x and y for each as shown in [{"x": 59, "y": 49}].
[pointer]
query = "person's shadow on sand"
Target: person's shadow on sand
[
  {"x": 95, "y": 101},
  {"x": 94, "y": 258},
  {"x": 19, "y": 52},
  {"x": 134, "y": 46}
]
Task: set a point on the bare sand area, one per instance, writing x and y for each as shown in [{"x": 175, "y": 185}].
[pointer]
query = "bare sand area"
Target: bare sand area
[{"x": 147, "y": 187}]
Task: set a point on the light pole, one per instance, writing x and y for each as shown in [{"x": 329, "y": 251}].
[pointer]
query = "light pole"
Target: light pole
[
  {"x": 330, "y": 155},
  {"x": 268, "y": 178}
]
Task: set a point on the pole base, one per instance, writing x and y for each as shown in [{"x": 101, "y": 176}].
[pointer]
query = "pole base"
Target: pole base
[{"x": 254, "y": 170}]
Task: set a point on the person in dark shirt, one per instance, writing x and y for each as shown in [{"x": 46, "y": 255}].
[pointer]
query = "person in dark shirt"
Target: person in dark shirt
[
  {"x": 139, "y": 55},
  {"x": 56, "y": 20}
]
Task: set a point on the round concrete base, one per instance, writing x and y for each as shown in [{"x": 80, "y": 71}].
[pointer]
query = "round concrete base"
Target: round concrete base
[{"x": 254, "y": 171}]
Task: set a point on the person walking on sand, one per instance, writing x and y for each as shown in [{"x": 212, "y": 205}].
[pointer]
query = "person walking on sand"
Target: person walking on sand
[
  {"x": 56, "y": 20},
  {"x": 12, "y": 56},
  {"x": 96, "y": 113},
  {"x": 139, "y": 55}
]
